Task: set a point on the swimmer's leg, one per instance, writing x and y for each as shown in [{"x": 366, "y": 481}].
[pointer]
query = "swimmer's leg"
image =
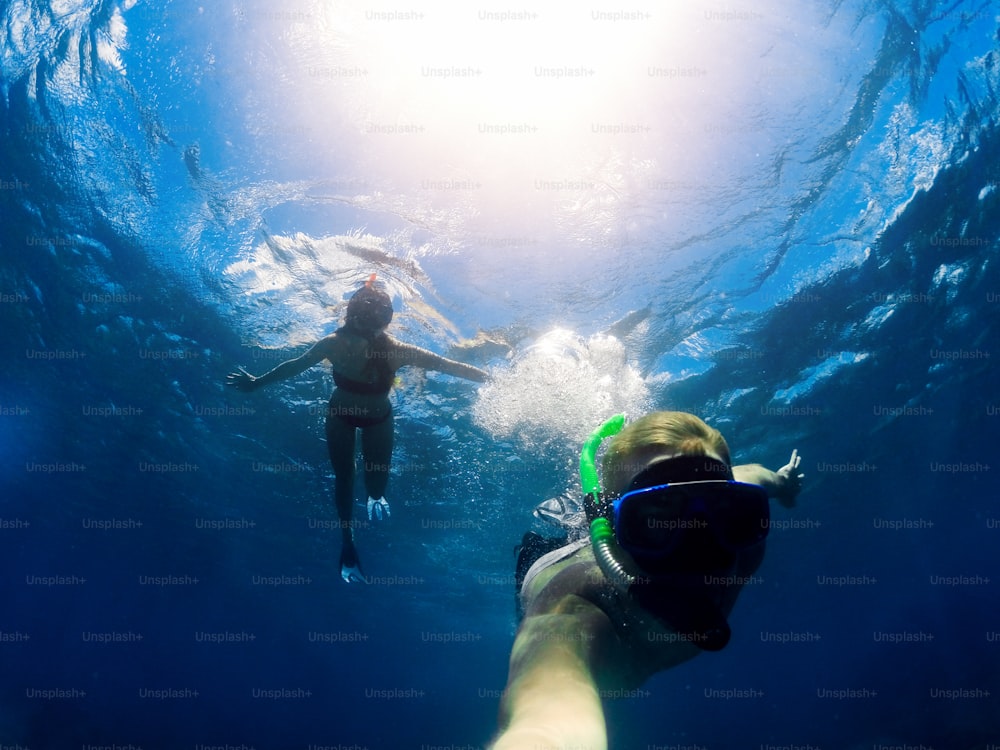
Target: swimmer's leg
[
  {"x": 340, "y": 442},
  {"x": 376, "y": 450}
]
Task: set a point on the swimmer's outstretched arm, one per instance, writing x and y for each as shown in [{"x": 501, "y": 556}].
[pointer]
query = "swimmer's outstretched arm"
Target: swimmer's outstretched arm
[
  {"x": 552, "y": 699},
  {"x": 413, "y": 356},
  {"x": 783, "y": 485},
  {"x": 244, "y": 381}
]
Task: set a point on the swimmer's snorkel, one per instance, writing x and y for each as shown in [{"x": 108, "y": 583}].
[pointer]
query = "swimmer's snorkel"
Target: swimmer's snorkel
[
  {"x": 686, "y": 608},
  {"x": 612, "y": 559}
]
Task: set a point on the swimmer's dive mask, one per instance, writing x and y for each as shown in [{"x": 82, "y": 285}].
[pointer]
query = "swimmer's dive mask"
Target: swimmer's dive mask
[
  {"x": 664, "y": 514},
  {"x": 369, "y": 309},
  {"x": 679, "y": 520}
]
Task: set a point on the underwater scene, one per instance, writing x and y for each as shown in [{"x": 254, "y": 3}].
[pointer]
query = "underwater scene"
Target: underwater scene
[{"x": 783, "y": 218}]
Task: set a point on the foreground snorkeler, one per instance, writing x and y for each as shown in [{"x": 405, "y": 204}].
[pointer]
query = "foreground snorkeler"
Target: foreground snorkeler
[
  {"x": 673, "y": 538},
  {"x": 365, "y": 360}
]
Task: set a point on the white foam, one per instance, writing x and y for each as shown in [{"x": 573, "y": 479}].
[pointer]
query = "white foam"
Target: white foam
[{"x": 560, "y": 388}]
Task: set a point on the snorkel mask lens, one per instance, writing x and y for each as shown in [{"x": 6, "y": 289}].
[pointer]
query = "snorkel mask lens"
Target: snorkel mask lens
[{"x": 651, "y": 523}]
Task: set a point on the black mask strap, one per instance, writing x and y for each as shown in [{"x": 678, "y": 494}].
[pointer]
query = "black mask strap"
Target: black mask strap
[{"x": 680, "y": 469}]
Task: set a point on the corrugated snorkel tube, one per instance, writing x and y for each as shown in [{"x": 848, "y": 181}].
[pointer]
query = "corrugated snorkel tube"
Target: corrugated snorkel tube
[{"x": 614, "y": 563}]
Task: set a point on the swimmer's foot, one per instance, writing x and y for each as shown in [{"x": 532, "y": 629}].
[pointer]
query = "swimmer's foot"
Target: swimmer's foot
[{"x": 350, "y": 564}]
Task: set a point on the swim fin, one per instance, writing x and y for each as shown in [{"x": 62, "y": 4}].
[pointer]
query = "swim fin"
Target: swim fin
[{"x": 350, "y": 564}]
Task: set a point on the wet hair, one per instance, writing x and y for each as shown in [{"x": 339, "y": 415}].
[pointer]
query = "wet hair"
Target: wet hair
[
  {"x": 368, "y": 309},
  {"x": 666, "y": 431}
]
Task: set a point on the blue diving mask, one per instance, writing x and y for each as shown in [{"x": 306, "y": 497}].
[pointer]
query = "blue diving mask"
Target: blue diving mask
[{"x": 654, "y": 518}]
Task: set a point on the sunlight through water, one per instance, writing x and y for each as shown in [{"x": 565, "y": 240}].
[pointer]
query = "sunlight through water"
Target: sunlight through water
[{"x": 579, "y": 126}]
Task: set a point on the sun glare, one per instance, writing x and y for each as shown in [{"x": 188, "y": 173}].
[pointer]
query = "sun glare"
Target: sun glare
[
  {"x": 459, "y": 91},
  {"x": 565, "y": 119}
]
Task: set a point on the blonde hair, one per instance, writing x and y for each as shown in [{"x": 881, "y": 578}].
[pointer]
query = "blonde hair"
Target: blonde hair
[{"x": 674, "y": 432}]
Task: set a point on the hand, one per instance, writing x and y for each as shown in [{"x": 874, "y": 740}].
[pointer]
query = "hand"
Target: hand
[
  {"x": 380, "y": 506},
  {"x": 789, "y": 480},
  {"x": 241, "y": 380}
]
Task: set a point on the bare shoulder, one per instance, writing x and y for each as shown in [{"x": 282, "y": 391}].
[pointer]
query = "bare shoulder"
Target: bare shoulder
[
  {"x": 395, "y": 345},
  {"x": 338, "y": 347},
  {"x": 403, "y": 354}
]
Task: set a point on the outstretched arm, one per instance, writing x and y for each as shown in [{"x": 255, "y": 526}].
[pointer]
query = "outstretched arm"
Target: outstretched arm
[
  {"x": 409, "y": 355},
  {"x": 244, "y": 381},
  {"x": 552, "y": 700},
  {"x": 783, "y": 485}
]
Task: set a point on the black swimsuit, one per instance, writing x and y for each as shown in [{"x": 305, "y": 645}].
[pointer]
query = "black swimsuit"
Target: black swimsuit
[{"x": 380, "y": 386}]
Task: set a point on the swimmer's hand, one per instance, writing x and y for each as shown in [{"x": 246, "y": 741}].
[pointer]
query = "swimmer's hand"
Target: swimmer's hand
[
  {"x": 379, "y": 507},
  {"x": 789, "y": 481},
  {"x": 241, "y": 380},
  {"x": 350, "y": 565}
]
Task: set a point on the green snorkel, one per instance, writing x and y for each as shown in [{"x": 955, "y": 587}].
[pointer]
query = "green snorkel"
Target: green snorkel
[
  {"x": 588, "y": 469},
  {"x": 608, "y": 554}
]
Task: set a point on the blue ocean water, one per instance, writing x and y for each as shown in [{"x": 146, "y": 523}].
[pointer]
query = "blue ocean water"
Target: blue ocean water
[{"x": 783, "y": 219}]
